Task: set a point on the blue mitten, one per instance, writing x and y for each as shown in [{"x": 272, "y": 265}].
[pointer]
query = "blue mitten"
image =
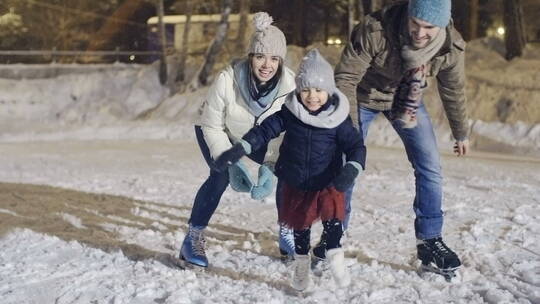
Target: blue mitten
[
  {"x": 239, "y": 178},
  {"x": 265, "y": 184}
]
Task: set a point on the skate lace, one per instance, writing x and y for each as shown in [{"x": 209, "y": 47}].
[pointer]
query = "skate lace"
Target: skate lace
[
  {"x": 198, "y": 241},
  {"x": 286, "y": 235},
  {"x": 442, "y": 249}
]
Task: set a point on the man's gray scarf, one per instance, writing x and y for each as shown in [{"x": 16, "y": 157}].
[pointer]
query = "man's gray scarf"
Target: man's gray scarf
[
  {"x": 409, "y": 94},
  {"x": 414, "y": 57}
]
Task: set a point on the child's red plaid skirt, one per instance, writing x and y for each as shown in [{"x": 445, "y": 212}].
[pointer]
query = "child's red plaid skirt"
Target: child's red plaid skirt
[{"x": 301, "y": 208}]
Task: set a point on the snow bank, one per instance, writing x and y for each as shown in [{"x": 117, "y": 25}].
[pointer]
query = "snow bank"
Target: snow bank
[
  {"x": 56, "y": 102},
  {"x": 75, "y": 97}
]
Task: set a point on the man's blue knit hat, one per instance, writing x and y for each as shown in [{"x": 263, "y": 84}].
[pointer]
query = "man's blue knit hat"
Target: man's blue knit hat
[{"x": 436, "y": 12}]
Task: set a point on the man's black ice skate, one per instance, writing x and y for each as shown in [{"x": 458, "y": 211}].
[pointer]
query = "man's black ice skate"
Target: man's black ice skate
[{"x": 437, "y": 257}]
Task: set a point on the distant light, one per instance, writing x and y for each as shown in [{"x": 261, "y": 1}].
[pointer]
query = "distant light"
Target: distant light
[
  {"x": 338, "y": 41},
  {"x": 330, "y": 41},
  {"x": 132, "y": 57},
  {"x": 500, "y": 30}
]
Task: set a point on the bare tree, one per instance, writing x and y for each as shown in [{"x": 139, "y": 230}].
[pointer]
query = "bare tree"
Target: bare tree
[
  {"x": 350, "y": 12},
  {"x": 299, "y": 37},
  {"x": 360, "y": 10},
  {"x": 513, "y": 22},
  {"x": 201, "y": 77},
  {"x": 163, "y": 43},
  {"x": 181, "y": 75},
  {"x": 242, "y": 26},
  {"x": 116, "y": 24},
  {"x": 460, "y": 16},
  {"x": 473, "y": 20},
  {"x": 373, "y": 5},
  {"x": 47, "y": 24}
]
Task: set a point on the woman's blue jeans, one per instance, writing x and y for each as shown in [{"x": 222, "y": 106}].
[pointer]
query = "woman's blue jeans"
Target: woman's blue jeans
[
  {"x": 209, "y": 194},
  {"x": 421, "y": 147}
]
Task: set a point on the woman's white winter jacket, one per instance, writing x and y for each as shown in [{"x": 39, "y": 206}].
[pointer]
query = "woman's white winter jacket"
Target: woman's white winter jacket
[{"x": 225, "y": 117}]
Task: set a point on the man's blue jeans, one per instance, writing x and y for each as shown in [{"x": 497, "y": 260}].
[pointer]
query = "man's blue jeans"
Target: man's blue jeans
[
  {"x": 209, "y": 194},
  {"x": 421, "y": 147}
]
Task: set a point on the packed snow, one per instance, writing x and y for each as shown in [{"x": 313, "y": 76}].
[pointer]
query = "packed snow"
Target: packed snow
[{"x": 97, "y": 188}]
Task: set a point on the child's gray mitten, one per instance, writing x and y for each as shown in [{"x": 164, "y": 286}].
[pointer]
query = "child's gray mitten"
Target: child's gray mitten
[{"x": 346, "y": 177}]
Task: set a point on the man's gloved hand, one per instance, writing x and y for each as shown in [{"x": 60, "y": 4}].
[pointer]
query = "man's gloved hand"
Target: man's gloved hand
[
  {"x": 461, "y": 147},
  {"x": 231, "y": 156},
  {"x": 346, "y": 176},
  {"x": 239, "y": 178},
  {"x": 265, "y": 184}
]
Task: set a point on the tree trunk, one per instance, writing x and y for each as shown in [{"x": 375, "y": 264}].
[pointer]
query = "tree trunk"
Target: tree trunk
[
  {"x": 181, "y": 75},
  {"x": 113, "y": 26},
  {"x": 163, "y": 42},
  {"x": 350, "y": 12},
  {"x": 460, "y": 15},
  {"x": 360, "y": 10},
  {"x": 513, "y": 22},
  {"x": 473, "y": 20},
  {"x": 201, "y": 77},
  {"x": 299, "y": 24},
  {"x": 373, "y": 5},
  {"x": 242, "y": 26}
]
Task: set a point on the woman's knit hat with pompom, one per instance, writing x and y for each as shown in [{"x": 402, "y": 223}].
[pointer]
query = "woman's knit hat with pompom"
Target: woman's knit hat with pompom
[{"x": 267, "y": 38}]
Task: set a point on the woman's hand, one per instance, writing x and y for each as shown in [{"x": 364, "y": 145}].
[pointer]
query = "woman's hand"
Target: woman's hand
[{"x": 229, "y": 157}]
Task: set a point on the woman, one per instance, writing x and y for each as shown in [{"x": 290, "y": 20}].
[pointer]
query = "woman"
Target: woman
[{"x": 243, "y": 95}]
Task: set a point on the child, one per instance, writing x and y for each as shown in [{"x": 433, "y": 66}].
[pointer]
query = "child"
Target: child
[{"x": 311, "y": 177}]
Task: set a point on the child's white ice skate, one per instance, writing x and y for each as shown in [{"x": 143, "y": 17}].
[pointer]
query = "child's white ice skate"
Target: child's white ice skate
[
  {"x": 336, "y": 259},
  {"x": 302, "y": 272}
]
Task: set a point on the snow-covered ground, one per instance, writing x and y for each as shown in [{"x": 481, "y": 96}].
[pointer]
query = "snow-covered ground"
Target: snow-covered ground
[
  {"x": 124, "y": 169},
  {"x": 71, "y": 247}
]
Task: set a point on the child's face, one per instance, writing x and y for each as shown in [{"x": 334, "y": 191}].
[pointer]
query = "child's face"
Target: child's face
[
  {"x": 313, "y": 98},
  {"x": 264, "y": 66}
]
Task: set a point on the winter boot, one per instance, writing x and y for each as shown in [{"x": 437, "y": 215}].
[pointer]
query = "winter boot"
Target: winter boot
[
  {"x": 192, "y": 250},
  {"x": 286, "y": 242},
  {"x": 330, "y": 238},
  {"x": 435, "y": 252},
  {"x": 302, "y": 272},
  {"x": 336, "y": 259}
]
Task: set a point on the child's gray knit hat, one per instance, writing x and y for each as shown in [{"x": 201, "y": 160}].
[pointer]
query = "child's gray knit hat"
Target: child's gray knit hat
[
  {"x": 315, "y": 72},
  {"x": 267, "y": 38}
]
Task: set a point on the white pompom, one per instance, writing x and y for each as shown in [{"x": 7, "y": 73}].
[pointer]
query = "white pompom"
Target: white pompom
[{"x": 262, "y": 20}]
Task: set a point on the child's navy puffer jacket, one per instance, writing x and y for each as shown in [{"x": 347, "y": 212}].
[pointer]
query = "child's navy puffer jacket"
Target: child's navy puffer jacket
[{"x": 310, "y": 155}]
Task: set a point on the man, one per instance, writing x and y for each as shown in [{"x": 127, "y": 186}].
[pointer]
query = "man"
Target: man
[{"x": 376, "y": 64}]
